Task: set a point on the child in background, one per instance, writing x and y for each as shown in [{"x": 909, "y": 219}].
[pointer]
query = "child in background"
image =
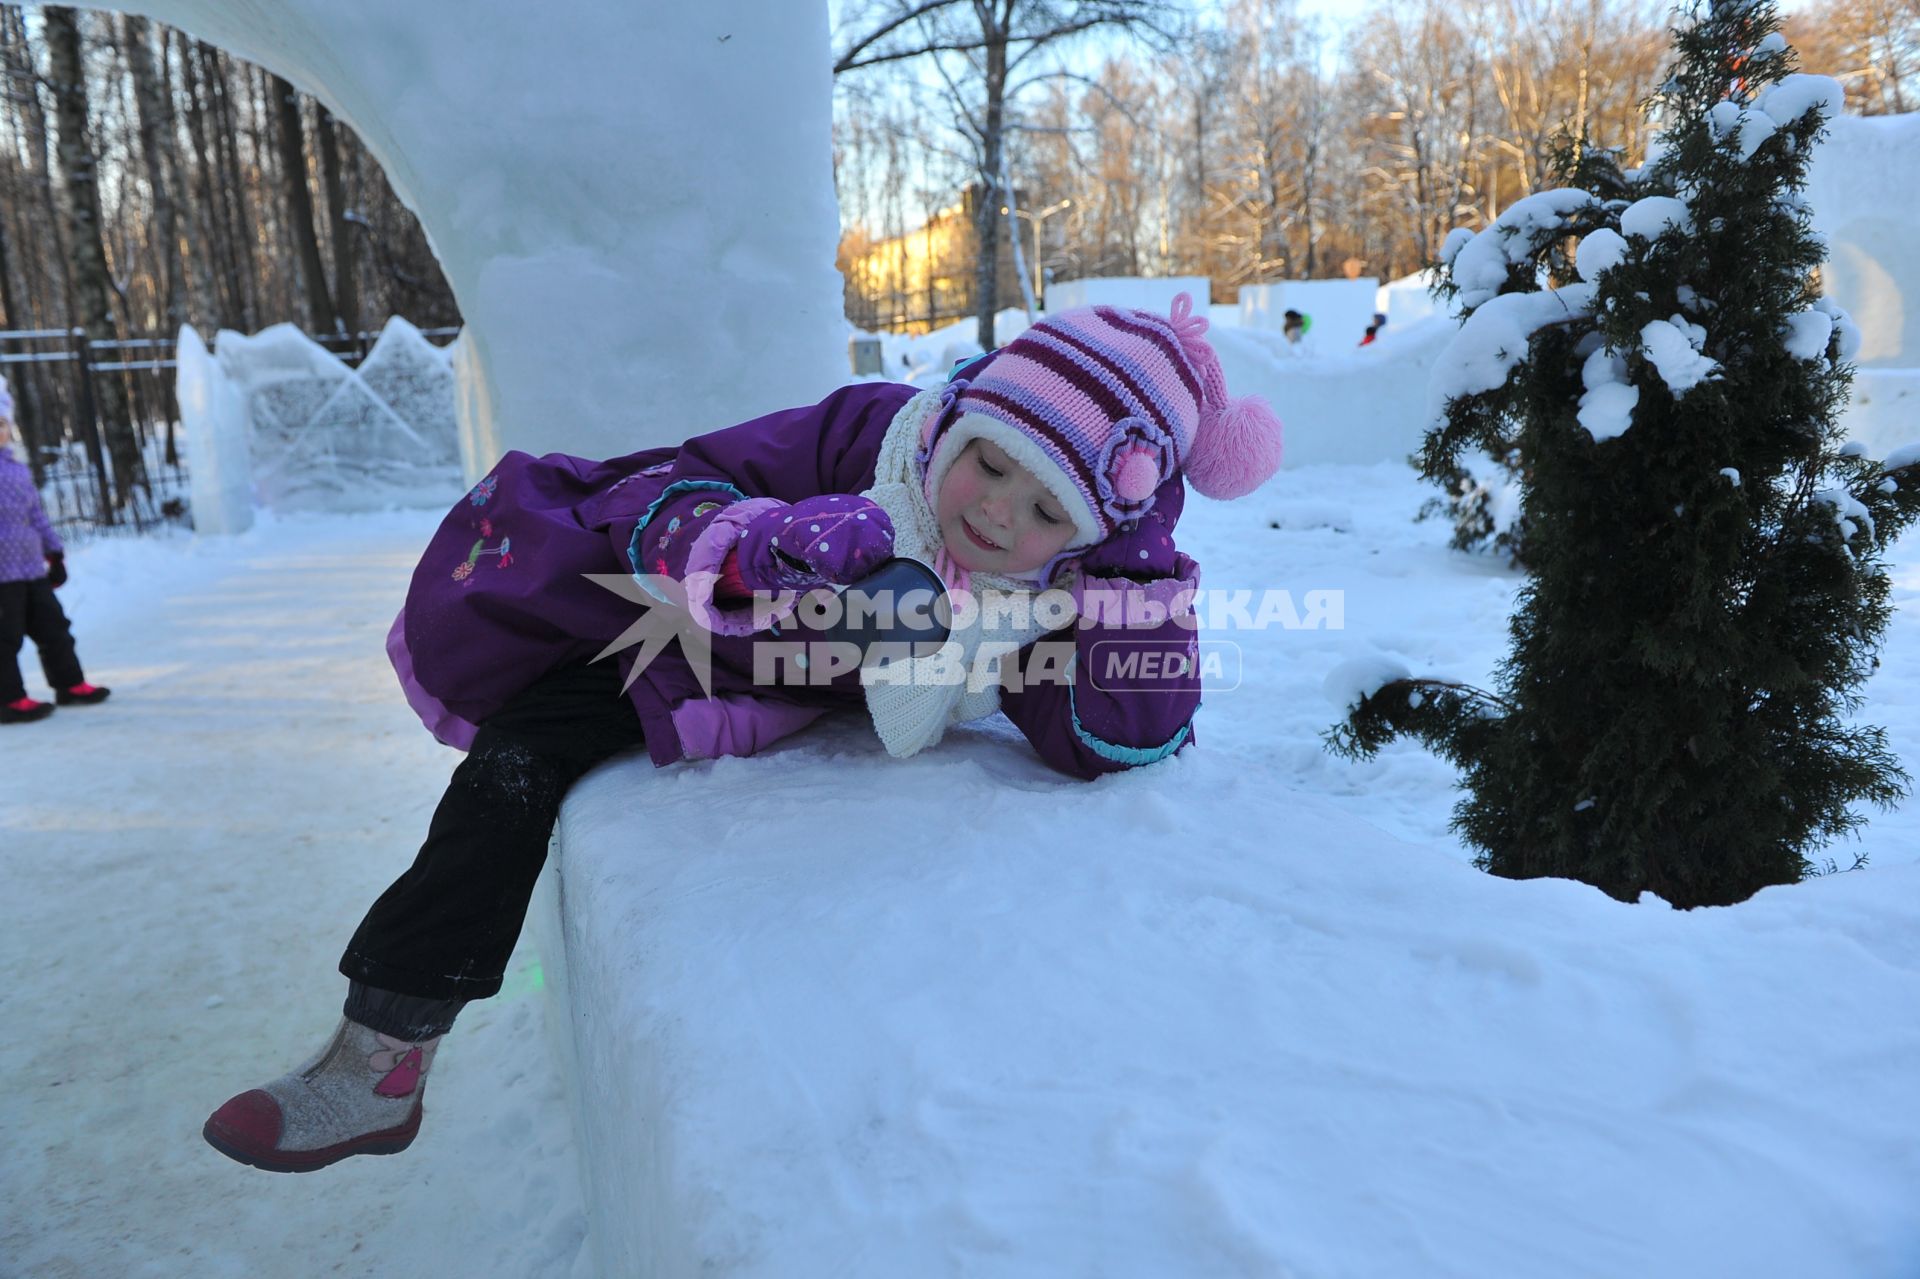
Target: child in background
[
  {"x": 1057, "y": 461},
  {"x": 33, "y": 564}
]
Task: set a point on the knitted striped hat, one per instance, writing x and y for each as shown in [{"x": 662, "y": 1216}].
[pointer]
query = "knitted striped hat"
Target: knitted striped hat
[{"x": 1103, "y": 405}]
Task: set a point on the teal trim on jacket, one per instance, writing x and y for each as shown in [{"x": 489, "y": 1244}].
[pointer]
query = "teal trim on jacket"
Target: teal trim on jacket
[{"x": 1132, "y": 756}]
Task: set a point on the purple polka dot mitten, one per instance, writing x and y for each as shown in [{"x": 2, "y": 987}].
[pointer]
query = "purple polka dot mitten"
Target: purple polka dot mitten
[
  {"x": 832, "y": 539},
  {"x": 1141, "y": 550}
]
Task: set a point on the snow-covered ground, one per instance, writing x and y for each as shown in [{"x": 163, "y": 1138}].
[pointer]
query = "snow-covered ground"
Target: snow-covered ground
[
  {"x": 182, "y": 866},
  {"x": 184, "y": 863}
]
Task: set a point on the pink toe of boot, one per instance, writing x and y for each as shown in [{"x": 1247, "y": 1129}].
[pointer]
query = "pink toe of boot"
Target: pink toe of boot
[
  {"x": 360, "y": 1095},
  {"x": 246, "y": 1128}
]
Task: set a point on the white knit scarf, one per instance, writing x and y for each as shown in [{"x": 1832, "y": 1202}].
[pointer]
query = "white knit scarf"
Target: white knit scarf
[{"x": 910, "y": 709}]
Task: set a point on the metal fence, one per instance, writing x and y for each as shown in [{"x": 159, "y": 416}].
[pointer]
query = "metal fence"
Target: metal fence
[{"x": 57, "y": 376}]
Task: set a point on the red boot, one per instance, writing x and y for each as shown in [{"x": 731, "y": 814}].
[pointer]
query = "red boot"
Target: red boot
[
  {"x": 81, "y": 694},
  {"x": 24, "y": 711}
]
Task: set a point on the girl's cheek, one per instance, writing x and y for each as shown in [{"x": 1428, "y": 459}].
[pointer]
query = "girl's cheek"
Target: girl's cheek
[{"x": 954, "y": 490}]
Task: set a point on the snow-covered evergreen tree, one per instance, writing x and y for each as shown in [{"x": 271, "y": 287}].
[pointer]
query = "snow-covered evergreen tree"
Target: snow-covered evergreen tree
[
  {"x": 1707, "y": 591},
  {"x": 1483, "y": 482}
]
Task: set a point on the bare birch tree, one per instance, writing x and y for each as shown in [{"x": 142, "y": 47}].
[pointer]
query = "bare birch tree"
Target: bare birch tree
[
  {"x": 156, "y": 131},
  {"x": 92, "y": 288},
  {"x": 991, "y": 40}
]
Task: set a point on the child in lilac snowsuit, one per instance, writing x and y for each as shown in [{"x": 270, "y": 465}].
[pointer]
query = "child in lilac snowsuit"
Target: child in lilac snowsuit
[
  {"x": 1056, "y": 462},
  {"x": 33, "y": 564}
]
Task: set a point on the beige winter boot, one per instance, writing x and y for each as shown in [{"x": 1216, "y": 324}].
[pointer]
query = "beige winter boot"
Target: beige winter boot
[{"x": 360, "y": 1095}]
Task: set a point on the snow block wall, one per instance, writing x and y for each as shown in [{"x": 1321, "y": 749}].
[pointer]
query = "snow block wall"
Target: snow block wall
[
  {"x": 1068, "y": 1036},
  {"x": 1407, "y": 300},
  {"x": 1883, "y": 412},
  {"x": 1367, "y": 404},
  {"x": 323, "y": 436},
  {"x": 281, "y": 422},
  {"x": 926, "y": 360},
  {"x": 1341, "y": 310},
  {"x": 213, "y": 417},
  {"x": 1864, "y": 186},
  {"x": 633, "y": 202},
  {"x": 1141, "y": 293}
]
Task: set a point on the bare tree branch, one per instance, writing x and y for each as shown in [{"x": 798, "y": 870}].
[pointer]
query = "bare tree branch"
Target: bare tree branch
[{"x": 847, "y": 60}]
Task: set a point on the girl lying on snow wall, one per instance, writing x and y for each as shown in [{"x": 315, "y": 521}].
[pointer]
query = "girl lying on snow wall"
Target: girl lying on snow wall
[{"x": 1056, "y": 461}]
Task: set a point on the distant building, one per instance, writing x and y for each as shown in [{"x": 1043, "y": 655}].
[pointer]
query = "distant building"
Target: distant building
[{"x": 923, "y": 280}]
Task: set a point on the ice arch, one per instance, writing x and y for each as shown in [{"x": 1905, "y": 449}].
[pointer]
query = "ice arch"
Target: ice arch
[
  {"x": 633, "y": 202},
  {"x": 1863, "y": 183}
]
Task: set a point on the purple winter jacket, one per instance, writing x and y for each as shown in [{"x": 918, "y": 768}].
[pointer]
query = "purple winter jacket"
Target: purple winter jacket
[
  {"x": 26, "y": 536},
  {"x": 498, "y": 598}
]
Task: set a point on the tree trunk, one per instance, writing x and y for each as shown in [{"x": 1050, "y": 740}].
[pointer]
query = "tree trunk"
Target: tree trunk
[
  {"x": 277, "y": 292},
  {"x": 987, "y": 215},
  {"x": 156, "y": 123},
  {"x": 1306, "y": 208},
  {"x": 37, "y": 141},
  {"x": 31, "y": 383},
  {"x": 346, "y": 291},
  {"x": 229, "y": 298},
  {"x": 291, "y": 137},
  {"x": 233, "y": 185},
  {"x": 93, "y": 292},
  {"x": 197, "y": 275},
  {"x": 27, "y": 425}
]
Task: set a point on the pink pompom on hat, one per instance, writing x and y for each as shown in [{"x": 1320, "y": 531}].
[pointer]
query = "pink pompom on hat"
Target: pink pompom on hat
[{"x": 1103, "y": 405}]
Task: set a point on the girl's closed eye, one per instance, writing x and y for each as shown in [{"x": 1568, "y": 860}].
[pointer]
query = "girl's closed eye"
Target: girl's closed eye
[
  {"x": 987, "y": 466},
  {"x": 1046, "y": 518}
]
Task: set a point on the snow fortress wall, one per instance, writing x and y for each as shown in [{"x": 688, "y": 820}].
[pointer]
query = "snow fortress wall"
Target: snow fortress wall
[
  {"x": 1883, "y": 412},
  {"x": 633, "y": 204},
  {"x": 282, "y": 422},
  {"x": 1864, "y": 185},
  {"x": 1187, "y": 1022},
  {"x": 213, "y": 417},
  {"x": 1140, "y": 293},
  {"x": 1407, "y": 300},
  {"x": 1361, "y": 405},
  {"x": 1341, "y": 310}
]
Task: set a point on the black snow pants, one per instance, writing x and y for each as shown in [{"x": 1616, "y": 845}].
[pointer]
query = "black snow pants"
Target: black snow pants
[
  {"x": 442, "y": 934},
  {"x": 30, "y": 610}
]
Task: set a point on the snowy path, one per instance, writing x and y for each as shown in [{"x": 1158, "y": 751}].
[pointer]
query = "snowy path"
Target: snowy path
[{"x": 182, "y": 866}]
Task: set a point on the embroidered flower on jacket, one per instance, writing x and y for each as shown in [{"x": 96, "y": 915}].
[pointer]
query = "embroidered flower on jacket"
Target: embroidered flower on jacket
[
  {"x": 483, "y": 490},
  {"x": 463, "y": 571}
]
